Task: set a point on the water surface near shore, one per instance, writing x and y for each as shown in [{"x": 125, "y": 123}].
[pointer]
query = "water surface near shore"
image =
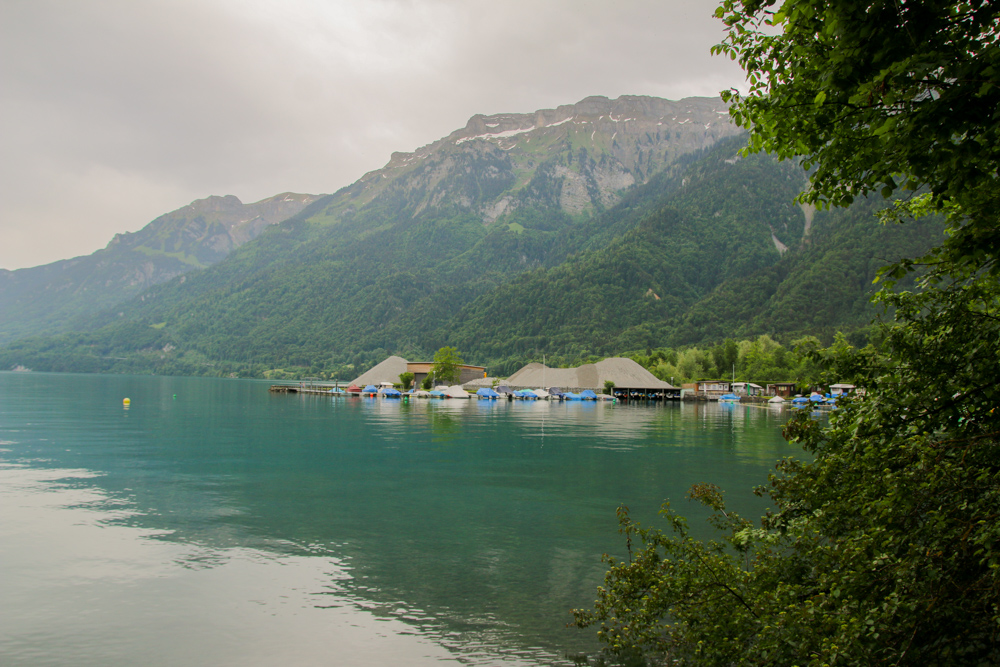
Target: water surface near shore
[{"x": 214, "y": 523}]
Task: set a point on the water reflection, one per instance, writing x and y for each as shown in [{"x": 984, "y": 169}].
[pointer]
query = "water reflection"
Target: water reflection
[
  {"x": 470, "y": 526},
  {"x": 80, "y": 588}
]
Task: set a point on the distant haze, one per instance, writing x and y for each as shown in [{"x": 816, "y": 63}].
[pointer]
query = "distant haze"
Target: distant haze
[{"x": 117, "y": 112}]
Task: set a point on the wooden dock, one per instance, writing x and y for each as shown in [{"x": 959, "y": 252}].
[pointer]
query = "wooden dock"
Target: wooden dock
[{"x": 316, "y": 388}]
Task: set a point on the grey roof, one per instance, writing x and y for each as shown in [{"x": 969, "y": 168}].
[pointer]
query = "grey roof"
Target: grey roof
[
  {"x": 387, "y": 371},
  {"x": 623, "y": 372},
  {"x": 480, "y": 382}
]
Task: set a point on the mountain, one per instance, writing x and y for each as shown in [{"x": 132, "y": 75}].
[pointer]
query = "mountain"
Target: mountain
[
  {"x": 594, "y": 228},
  {"x": 725, "y": 252},
  {"x": 56, "y": 296},
  {"x": 578, "y": 158}
]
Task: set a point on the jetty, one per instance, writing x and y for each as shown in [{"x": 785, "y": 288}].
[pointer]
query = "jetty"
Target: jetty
[{"x": 308, "y": 386}]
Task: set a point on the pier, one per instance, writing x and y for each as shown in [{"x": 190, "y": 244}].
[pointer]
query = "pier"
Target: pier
[{"x": 308, "y": 386}]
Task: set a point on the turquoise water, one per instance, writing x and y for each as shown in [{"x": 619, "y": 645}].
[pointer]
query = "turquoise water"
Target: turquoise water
[{"x": 214, "y": 523}]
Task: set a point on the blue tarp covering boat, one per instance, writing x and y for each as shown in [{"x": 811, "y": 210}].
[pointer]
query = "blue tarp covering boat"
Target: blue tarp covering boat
[
  {"x": 370, "y": 389},
  {"x": 588, "y": 394},
  {"x": 799, "y": 400},
  {"x": 391, "y": 393},
  {"x": 486, "y": 392},
  {"x": 570, "y": 396},
  {"x": 437, "y": 394},
  {"x": 729, "y": 397},
  {"x": 525, "y": 394}
]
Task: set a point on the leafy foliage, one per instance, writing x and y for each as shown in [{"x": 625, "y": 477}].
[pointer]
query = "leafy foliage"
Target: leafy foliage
[
  {"x": 758, "y": 360},
  {"x": 877, "y": 96},
  {"x": 446, "y": 365},
  {"x": 406, "y": 379},
  {"x": 884, "y": 548}
]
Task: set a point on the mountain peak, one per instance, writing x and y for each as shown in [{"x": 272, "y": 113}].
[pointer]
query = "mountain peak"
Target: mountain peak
[{"x": 591, "y": 151}]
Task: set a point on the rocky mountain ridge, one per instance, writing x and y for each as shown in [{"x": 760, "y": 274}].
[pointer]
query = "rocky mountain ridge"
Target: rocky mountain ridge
[
  {"x": 48, "y": 297},
  {"x": 578, "y": 158}
]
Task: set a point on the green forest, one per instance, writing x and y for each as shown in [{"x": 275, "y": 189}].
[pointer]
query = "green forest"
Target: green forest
[
  {"x": 881, "y": 543},
  {"x": 683, "y": 262}
]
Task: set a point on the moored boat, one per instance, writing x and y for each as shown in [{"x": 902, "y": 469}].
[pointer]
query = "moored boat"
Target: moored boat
[{"x": 456, "y": 391}]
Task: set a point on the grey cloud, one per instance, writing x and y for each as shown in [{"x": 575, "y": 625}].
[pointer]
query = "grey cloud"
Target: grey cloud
[{"x": 125, "y": 110}]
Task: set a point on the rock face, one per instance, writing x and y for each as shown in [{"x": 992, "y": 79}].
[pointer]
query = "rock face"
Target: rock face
[
  {"x": 579, "y": 157},
  {"x": 206, "y": 230},
  {"x": 552, "y": 165},
  {"x": 46, "y": 298}
]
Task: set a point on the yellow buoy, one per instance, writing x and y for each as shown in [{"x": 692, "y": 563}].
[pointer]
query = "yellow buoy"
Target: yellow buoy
[{"x": 126, "y": 402}]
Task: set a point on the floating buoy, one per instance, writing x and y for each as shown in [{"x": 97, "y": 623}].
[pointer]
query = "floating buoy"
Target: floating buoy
[
  {"x": 175, "y": 397},
  {"x": 126, "y": 402}
]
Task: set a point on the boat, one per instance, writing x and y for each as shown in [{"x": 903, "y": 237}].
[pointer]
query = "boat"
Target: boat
[
  {"x": 391, "y": 392},
  {"x": 436, "y": 394},
  {"x": 369, "y": 390},
  {"x": 729, "y": 398},
  {"x": 456, "y": 391},
  {"x": 588, "y": 395},
  {"x": 570, "y": 396},
  {"x": 487, "y": 393},
  {"x": 541, "y": 394},
  {"x": 556, "y": 394}
]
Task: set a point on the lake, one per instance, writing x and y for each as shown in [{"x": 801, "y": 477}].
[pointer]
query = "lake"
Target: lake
[{"x": 214, "y": 523}]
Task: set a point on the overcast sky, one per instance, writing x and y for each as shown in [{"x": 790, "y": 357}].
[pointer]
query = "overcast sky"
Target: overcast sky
[{"x": 114, "y": 112}]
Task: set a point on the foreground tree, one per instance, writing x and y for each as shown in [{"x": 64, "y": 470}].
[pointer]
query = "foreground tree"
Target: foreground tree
[
  {"x": 876, "y": 97},
  {"x": 885, "y": 548}
]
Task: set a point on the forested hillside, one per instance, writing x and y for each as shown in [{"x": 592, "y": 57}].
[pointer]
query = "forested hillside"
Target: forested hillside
[
  {"x": 688, "y": 258},
  {"x": 586, "y": 252},
  {"x": 64, "y": 295},
  {"x": 698, "y": 268}
]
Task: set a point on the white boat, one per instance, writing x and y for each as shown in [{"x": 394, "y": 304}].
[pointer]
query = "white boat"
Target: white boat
[
  {"x": 541, "y": 394},
  {"x": 456, "y": 391}
]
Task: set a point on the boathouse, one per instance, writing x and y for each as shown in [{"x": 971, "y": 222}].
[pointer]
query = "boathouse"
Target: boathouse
[
  {"x": 390, "y": 370},
  {"x": 783, "y": 389},
  {"x": 631, "y": 380},
  {"x": 747, "y": 389},
  {"x": 712, "y": 389},
  {"x": 386, "y": 371},
  {"x": 466, "y": 373}
]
